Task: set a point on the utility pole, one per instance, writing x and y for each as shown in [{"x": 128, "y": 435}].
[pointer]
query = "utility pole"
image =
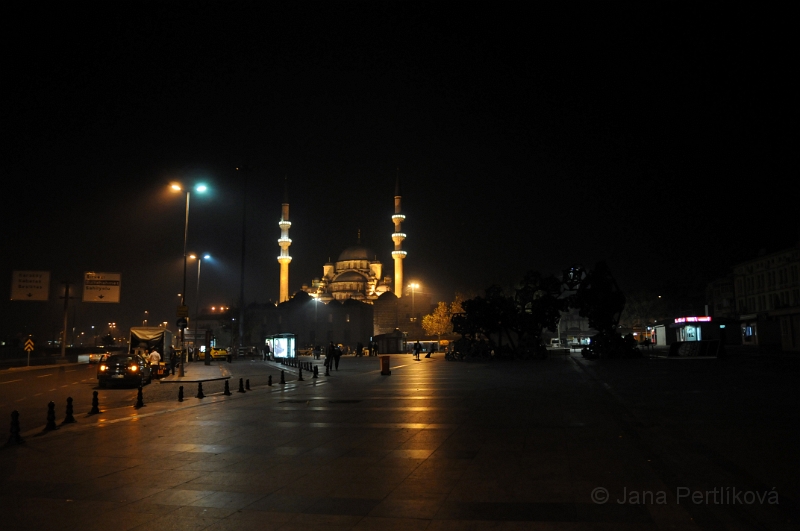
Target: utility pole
[
  {"x": 66, "y": 315},
  {"x": 243, "y": 171}
]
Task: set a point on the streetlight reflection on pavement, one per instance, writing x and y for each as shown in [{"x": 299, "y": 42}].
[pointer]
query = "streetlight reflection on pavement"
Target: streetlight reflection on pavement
[{"x": 178, "y": 188}]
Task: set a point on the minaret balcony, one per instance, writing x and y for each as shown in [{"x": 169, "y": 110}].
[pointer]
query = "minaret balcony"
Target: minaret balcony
[
  {"x": 284, "y": 224},
  {"x": 284, "y": 241},
  {"x": 398, "y": 217},
  {"x": 399, "y": 254},
  {"x": 398, "y": 237},
  {"x": 284, "y": 259}
]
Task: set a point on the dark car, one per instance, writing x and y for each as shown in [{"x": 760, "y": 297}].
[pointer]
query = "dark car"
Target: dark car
[{"x": 123, "y": 368}]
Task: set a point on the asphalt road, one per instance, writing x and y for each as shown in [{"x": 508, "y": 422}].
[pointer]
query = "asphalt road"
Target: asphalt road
[{"x": 29, "y": 391}]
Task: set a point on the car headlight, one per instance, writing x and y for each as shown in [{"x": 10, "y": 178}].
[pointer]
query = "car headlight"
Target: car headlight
[
  {"x": 133, "y": 368},
  {"x": 103, "y": 368}
]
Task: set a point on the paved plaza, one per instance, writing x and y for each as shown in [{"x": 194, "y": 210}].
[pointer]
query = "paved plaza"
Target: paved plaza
[{"x": 557, "y": 444}]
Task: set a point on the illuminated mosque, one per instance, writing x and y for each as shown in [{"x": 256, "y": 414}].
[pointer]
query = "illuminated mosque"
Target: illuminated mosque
[{"x": 357, "y": 274}]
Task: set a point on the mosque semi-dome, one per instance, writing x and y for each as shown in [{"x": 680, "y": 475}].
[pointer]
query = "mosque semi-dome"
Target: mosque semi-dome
[{"x": 350, "y": 276}]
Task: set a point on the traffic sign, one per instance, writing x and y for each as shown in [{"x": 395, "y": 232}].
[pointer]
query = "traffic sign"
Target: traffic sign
[
  {"x": 101, "y": 287},
  {"x": 183, "y": 311},
  {"x": 29, "y": 345},
  {"x": 182, "y": 323},
  {"x": 30, "y": 285}
]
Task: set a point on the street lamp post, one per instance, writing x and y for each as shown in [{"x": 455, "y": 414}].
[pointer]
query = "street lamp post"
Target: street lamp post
[
  {"x": 200, "y": 259},
  {"x": 413, "y": 287},
  {"x": 200, "y": 188}
]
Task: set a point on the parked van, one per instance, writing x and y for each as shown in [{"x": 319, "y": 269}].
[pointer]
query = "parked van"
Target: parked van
[{"x": 555, "y": 342}]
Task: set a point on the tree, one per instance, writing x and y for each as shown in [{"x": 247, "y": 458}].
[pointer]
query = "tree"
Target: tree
[
  {"x": 108, "y": 340},
  {"x": 438, "y": 323},
  {"x": 642, "y": 308}
]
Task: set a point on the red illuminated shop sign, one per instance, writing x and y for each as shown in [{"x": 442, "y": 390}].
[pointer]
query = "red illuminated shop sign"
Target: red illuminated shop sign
[{"x": 703, "y": 319}]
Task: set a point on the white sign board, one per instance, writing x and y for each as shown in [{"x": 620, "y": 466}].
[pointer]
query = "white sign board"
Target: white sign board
[
  {"x": 101, "y": 287},
  {"x": 30, "y": 285}
]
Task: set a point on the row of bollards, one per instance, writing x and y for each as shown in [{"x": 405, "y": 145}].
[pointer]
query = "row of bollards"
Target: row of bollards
[
  {"x": 244, "y": 386},
  {"x": 292, "y": 362}
]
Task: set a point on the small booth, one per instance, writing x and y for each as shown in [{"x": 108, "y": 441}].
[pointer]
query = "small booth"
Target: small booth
[
  {"x": 691, "y": 328},
  {"x": 282, "y": 345},
  {"x": 391, "y": 343}
]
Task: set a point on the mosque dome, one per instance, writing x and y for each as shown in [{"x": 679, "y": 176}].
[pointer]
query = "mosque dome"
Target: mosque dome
[{"x": 355, "y": 253}]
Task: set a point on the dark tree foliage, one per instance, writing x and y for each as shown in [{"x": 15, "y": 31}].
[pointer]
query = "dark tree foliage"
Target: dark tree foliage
[
  {"x": 601, "y": 301},
  {"x": 503, "y": 326},
  {"x": 108, "y": 340},
  {"x": 509, "y": 326}
]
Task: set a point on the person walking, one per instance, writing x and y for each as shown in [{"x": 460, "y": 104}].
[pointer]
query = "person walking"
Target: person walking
[
  {"x": 430, "y": 351},
  {"x": 417, "y": 349},
  {"x": 337, "y": 353},
  {"x": 266, "y": 352}
]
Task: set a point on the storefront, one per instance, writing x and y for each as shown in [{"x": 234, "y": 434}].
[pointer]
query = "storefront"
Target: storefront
[{"x": 691, "y": 328}]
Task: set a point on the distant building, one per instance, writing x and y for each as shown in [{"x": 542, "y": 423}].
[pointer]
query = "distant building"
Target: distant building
[
  {"x": 767, "y": 291},
  {"x": 721, "y": 298}
]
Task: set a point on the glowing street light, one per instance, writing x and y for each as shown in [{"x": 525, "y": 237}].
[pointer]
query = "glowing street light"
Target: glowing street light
[
  {"x": 206, "y": 358},
  {"x": 178, "y": 188},
  {"x": 414, "y": 286}
]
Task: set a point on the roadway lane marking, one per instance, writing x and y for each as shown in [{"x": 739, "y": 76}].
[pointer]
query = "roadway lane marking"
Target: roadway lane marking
[
  {"x": 38, "y": 394},
  {"x": 11, "y": 381},
  {"x": 44, "y": 376},
  {"x": 19, "y": 399},
  {"x": 63, "y": 386},
  {"x": 74, "y": 383},
  {"x": 51, "y": 390},
  {"x": 71, "y": 370}
]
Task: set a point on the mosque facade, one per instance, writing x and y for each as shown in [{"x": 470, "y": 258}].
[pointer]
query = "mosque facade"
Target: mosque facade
[{"x": 356, "y": 281}]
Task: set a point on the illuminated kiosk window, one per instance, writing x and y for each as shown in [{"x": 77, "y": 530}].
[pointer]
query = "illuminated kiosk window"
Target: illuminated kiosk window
[
  {"x": 689, "y": 327},
  {"x": 282, "y": 345}
]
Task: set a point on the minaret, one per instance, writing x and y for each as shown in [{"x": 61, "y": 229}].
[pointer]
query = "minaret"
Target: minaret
[
  {"x": 284, "y": 242},
  {"x": 397, "y": 237}
]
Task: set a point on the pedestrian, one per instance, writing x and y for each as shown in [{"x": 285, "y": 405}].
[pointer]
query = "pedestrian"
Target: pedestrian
[
  {"x": 359, "y": 349},
  {"x": 266, "y": 352},
  {"x": 154, "y": 358},
  {"x": 369, "y": 349},
  {"x": 417, "y": 349},
  {"x": 337, "y": 353},
  {"x": 430, "y": 351}
]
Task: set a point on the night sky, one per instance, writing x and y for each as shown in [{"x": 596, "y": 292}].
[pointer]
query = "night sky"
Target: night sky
[{"x": 655, "y": 139}]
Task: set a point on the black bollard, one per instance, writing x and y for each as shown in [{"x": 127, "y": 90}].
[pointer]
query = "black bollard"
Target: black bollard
[
  {"x": 247, "y": 384},
  {"x": 95, "y": 404},
  {"x": 300, "y": 378},
  {"x": 200, "y": 390},
  {"x": 139, "y": 399},
  {"x": 180, "y": 394},
  {"x": 327, "y": 370},
  {"x": 269, "y": 381},
  {"x": 14, "y": 437},
  {"x": 283, "y": 379},
  {"x": 69, "y": 418},
  {"x": 51, "y": 417},
  {"x": 241, "y": 386},
  {"x": 227, "y": 391},
  {"x": 316, "y": 372}
]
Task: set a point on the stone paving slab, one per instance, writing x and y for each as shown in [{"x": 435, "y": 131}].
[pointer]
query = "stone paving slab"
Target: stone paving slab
[{"x": 437, "y": 445}]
